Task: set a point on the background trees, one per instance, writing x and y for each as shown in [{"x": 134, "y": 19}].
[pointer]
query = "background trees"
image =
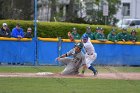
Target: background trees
[
  {"x": 78, "y": 11},
  {"x": 17, "y": 9}
]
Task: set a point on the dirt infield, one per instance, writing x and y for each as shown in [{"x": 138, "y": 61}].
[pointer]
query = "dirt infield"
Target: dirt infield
[{"x": 124, "y": 76}]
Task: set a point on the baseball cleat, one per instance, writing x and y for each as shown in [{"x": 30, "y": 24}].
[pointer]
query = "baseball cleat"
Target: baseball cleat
[{"x": 95, "y": 73}]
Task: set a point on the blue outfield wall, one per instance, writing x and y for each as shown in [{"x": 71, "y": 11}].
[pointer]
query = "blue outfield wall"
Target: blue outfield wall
[
  {"x": 17, "y": 52},
  {"x": 24, "y": 52},
  {"x": 115, "y": 54},
  {"x": 47, "y": 52}
]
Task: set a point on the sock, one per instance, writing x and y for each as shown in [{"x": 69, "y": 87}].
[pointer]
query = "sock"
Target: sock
[{"x": 92, "y": 69}]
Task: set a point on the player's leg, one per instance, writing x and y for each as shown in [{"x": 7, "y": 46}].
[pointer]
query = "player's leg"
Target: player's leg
[
  {"x": 89, "y": 60},
  {"x": 69, "y": 70},
  {"x": 92, "y": 68},
  {"x": 65, "y": 60}
]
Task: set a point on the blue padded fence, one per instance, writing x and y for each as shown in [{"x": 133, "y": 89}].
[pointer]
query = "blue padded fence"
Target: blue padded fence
[
  {"x": 47, "y": 52},
  {"x": 17, "y": 52},
  {"x": 24, "y": 52}
]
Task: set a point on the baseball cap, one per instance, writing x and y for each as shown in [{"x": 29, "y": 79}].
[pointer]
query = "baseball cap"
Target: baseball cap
[
  {"x": 101, "y": 29},
  {"x": 97, "y": 28},
  {"x": 18, "y": 24},
  {"x": 4, "y": 24},
  {"x": 29, "y": 29},
  {"x": 133, "y": 31},
  {"x": 88, "y": 27},
  {"x": 74, "y": 29}
]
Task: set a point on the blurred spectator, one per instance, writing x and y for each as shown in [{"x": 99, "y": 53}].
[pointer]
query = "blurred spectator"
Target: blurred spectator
[
  {"x": 97, "y": 30},
  {"x": 75, "y": 34},
  {"x": 4, "y": 31},
  {"x": 28, "y": 34},
  {"x": 17, "y": 32},
  {"x": 112, "y": 36},
  {"x": 123, "y": 36},
  {"x": 90, "y": 33},
  {"x": 100, "y": 35},
  {"x": 133, "y": 36}
]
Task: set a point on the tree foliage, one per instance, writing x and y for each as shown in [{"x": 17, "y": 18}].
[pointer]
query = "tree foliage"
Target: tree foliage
[
  {"x": 24, "y": 9},
  {"x": 96, "y": 15},
  {"x": 17, "y": 9}
]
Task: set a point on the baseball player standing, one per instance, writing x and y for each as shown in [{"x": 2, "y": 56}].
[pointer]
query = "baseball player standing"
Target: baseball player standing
[
  {"x": 73, "y": 64},
  {"x": 90, "y": 54}
]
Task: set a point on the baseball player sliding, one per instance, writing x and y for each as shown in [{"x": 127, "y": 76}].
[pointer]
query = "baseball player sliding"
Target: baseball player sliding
[
  {"x": 73, "y": 64},
  {"x": 90, "y": 54}
]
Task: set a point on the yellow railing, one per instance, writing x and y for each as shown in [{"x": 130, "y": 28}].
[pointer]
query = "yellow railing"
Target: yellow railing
[
  {"x": 119, "y": 42},
  {"x": 93, "y": 41},
  {"x": 15, "y": 39},
  {"x": 67, "y": 40},
  {"x": 48, "y": 39}
]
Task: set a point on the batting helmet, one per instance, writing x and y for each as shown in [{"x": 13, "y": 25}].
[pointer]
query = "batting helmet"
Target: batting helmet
[
  {"x": 85, "y": 36},
  {"x": 80, "y": 45}
]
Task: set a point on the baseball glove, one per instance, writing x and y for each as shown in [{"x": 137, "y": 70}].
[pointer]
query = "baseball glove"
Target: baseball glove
[{"x": 70, "y": 37}]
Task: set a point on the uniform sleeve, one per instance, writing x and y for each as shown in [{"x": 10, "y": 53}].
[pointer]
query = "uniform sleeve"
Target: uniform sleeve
[
  {"x": 97, "y": 36},
  {"x": 93, "y": 36},
  {"x": 1, "y": 34},
  {"x": 78, "y": 36},
  {"x": 9, "y": 33},
  {"x": 22, "y": 33},
  {"x": 109, "y": 37},
  {"x": 89, "y": 39},
  {"x": 70, "y": 52},
  {"x": 127, "y": 39},
  {"x": 13, "y": 33},
  {"x": 136, "y": 38},
  {"x": 118, "y": 37}
]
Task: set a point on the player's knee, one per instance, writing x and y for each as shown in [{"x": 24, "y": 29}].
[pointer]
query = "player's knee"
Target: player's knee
[{"x": 88, "y": 65}]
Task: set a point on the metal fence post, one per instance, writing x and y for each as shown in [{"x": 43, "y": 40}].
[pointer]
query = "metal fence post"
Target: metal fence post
[
  {"x": 35, "y": 31},
  {"x": 59, "y": 48}
]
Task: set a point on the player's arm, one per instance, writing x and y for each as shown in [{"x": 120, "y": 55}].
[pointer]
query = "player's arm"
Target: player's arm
[
  {"x": 62, "y": 56},
  {"x": 65, "y": 55},
  {"x": 71, "y": 37}
]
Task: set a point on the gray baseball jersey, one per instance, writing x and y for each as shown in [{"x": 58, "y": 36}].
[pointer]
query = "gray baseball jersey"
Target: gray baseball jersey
[{"x": 73, "y": 63}]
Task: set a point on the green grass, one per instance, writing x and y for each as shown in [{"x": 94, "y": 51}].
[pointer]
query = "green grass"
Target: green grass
[
  {"x": 66, "y": 85},
  {"x": 29, "y": 69},
  {"x": 56, "y": 69},
  {"x": 61, "y": 85}
]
